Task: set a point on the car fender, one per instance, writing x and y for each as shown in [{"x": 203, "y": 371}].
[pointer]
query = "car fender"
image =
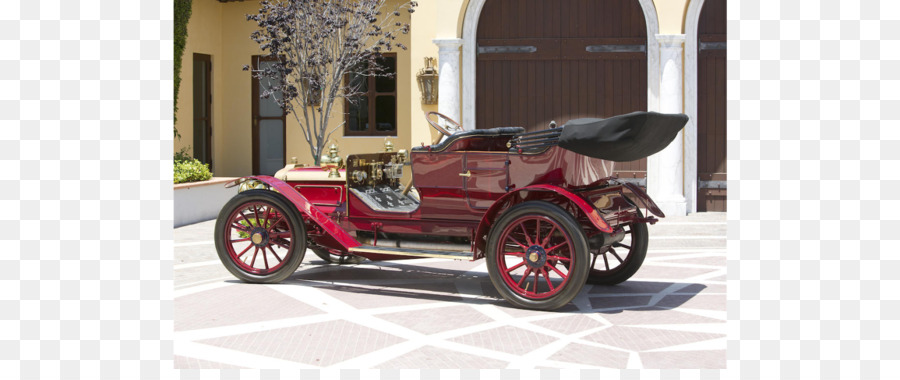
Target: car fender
[
  {"x": 480, "y": 236},
  {"x": 312, "y": 213},
  {"x": 649, "y": 204}
]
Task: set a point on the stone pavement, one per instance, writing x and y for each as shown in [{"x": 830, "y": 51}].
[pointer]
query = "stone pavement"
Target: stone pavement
[{"x": 436, "y": 313}]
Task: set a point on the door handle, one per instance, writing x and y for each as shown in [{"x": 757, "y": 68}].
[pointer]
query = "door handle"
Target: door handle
[{"x": 468, "y": 173}]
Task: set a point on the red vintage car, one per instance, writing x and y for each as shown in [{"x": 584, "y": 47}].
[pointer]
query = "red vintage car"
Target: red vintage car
[{"x": 543, "y": 207}]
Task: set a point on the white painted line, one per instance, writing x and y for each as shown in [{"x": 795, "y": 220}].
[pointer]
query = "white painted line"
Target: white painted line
[
  {"x": 194, "y": 243},
  {"x": 252, "y": 327},
  {"x": 233, "y": 357},
  {"x": 197, "y": 264},
  {"x": 199, "y": 286}
]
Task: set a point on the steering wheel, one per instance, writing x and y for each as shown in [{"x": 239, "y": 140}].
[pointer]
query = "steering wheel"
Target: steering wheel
[{"x": 454, "y": 126}]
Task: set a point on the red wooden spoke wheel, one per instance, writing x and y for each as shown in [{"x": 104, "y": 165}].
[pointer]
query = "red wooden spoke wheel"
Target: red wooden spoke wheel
[
  {"x": 259, "y": 237},
  {"x": 618, "y": 262},
  {"x": 537, "y": 256}
]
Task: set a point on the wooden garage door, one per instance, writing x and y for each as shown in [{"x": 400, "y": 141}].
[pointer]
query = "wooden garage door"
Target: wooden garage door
[
  {"x": 542, "y": 60},
  {"x": 711, "y": 97}
]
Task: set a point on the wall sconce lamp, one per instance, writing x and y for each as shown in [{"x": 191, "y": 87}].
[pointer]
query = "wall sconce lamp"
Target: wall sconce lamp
[{"x": 428, "y": 82}]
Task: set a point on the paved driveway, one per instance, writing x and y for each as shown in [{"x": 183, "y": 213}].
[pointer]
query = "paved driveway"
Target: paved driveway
[{"x": 435, "y": 313}]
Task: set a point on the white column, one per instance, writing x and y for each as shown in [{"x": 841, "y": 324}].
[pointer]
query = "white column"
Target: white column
[
  {"x": 665, "y": 170},
  {"x": 448, "y": 85}
]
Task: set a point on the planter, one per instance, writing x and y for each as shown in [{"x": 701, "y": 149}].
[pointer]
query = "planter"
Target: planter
[{"x": 201, "y": 201}]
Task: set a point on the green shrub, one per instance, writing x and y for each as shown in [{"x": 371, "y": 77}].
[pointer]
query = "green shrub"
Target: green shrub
[
  {"x": 190, "y": 170},
  {"x": 182, "y": 16}
]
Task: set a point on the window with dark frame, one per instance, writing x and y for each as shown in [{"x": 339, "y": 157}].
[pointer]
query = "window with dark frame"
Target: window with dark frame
[{"x": 378, "y": 101}]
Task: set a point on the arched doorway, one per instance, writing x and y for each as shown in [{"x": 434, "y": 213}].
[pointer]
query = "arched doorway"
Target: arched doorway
[
  {"x": 711, "y": 107},
  {"x": 537, "y": 61}
]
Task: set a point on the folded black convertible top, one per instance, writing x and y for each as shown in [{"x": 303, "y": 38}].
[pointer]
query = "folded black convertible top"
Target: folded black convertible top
[{"x": 622, "y": 138}]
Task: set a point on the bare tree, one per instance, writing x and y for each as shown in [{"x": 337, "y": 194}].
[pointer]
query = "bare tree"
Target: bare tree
[{"x": 315, "y": 44}]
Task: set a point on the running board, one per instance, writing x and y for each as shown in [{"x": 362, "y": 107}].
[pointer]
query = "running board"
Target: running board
[{"x": 456, "y": 255}]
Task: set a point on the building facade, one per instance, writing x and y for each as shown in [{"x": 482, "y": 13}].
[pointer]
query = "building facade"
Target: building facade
[{"x": 500, "y": 63}]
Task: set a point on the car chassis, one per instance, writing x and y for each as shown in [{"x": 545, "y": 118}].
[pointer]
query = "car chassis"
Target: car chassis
[{"x": 543, "y": 208}]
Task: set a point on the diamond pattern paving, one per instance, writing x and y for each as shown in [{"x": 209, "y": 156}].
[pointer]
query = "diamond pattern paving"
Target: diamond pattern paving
[
  {"x": 507, "y": 339},
  {"x": 655, "y": 316},
  {"x": 236, "y": 304},
  {"x": 183, "y": 362},
  {"x": 684, "y": 359},
  {"x": 569, "y": 324},
  {"x": 431, "y": 321},
  {"x": 433, "y": 357},
  {"x": 320, "y": 344},
  {"x": 590, "y": 355},
  {"x": 452, "y": 315},
  {"x": 642, "y": 339}
]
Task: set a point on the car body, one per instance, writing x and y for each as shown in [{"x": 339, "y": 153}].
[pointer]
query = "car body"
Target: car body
[{"x": 546, "y": 212}]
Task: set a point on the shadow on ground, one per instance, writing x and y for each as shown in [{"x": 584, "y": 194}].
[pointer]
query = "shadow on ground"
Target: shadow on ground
[{"x": 433, "y": 283}]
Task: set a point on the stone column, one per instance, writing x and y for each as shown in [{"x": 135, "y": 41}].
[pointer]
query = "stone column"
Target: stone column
[
  {"x": 448, "y": 85},
  {"x": 665, "y": 170}
]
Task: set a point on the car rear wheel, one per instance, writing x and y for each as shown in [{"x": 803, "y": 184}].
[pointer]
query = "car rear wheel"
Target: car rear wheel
[
  {"x": 616, "y": 263},
  {"x": 537, "y": 256},
  {"x": 259, "y": 237}
]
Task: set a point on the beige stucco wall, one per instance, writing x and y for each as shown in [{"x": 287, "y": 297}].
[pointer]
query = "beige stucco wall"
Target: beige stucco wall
[
  {"x": 221, "y": 30},
  {"x": 205, "y": 37}
]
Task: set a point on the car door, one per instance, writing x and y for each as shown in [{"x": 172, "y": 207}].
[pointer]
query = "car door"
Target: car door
[
  {"x": 485, "y": 178},
  {"x": 440, "y": 186}
]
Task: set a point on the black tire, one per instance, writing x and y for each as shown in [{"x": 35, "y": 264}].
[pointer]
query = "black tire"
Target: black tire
[
  {"x": 611, "y": 273},
  {"x": 281, "y": 230},
  {"x": 331, "y": 258},
  {"x": 544, "y": 258}
]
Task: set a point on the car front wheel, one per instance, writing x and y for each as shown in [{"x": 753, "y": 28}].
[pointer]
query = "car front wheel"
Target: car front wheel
[{"x": 259, "y": 237}]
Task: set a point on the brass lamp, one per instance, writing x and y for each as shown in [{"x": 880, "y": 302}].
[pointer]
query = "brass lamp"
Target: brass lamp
[
  {"x": 331, "y": 162},
  {"x": 428, "y": 82}
]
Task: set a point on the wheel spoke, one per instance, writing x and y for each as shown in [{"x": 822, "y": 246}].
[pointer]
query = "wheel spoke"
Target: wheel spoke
[
  {"x": 276, "y": 255},
  {"x": 594, "y": 261},
  {"x": 240, "y": 227},
  {"x": 254, "y": 256},
  {"x": 279, "y": 244},
  {"x": 622, "y": 245},
  {"x": 551, "y": 249},
  {"x": 536, "y": 273},
  {"x": 268, "y": 213},
  {"x": 561, "y": 274},
  {"x": 272, "y": 227},
  {"x": 265, "y": 260},
  {"x": 516, "y": 254},
  {"x": 546, "y": 277},
  {"x": 244, "y": 251},
  {"x": 515, "y": 266},
  {"x": 240, "y": 240},
  {"x": 517, "y": 242},
  {"x": 524, "y": 276},
  {"x": 527, "y": 238},
  {"x": 249, "y": 223},
  {"x": 256, "y": 214},
  {"x": 606, "y": 260},
  {"x": 282, "y": 234},
  {"x": 537, "y": 236},
  {"x": 560, "y": 258},
  {"x": 616, "y": 255},
  {"x": 547, "y": 239}
]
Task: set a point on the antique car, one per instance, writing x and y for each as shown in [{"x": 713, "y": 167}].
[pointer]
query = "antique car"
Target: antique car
[{"x": 543, "y": 207}]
